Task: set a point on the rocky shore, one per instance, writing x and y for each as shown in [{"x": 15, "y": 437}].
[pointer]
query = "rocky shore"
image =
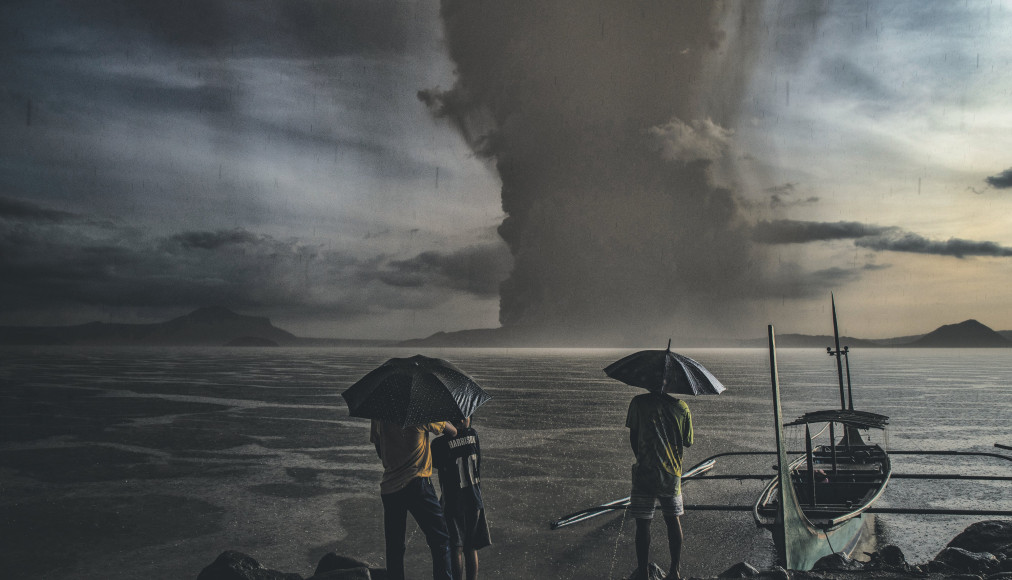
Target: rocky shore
[{"x": 983, "y": 551}]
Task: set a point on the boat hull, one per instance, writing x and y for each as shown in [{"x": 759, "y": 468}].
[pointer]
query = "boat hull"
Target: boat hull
[{"x": 800, "y": 547}]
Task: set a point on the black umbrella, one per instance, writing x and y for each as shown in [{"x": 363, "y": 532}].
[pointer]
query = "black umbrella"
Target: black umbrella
[
  {"x": 666, "y": 372},
  {"x": 415, "y": 391}
]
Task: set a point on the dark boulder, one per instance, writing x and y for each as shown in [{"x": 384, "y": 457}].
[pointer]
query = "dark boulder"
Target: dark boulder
[
  {"x": 331, "y": 561},
  {"x": 889, "y": 558},
  {"x": 333, "y": 566},
  {"x": 892, "y": 555},
  {"x": 994, "y": 536},
  {"x": 345, "y": 574},
  {"x": 775, "y": 573},
  {"x": 968, "y": 562},
  {"x": 739, "y": 570},
  {"x": 336, "y": 567},
  {"x": 232, "y": 565},
  {"x": 837, "y": 561}
]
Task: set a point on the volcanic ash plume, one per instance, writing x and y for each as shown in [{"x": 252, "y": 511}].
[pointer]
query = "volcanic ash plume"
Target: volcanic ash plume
[{"x": 604, "y": 125}]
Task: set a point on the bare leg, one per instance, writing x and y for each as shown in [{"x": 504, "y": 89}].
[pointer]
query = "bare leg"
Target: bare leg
[
  {"x": 674, "y": 544},
  {"x": 471, "y": 563},
  {"x": 457, "y": 562},
  {"x": 642, "y": 549}
]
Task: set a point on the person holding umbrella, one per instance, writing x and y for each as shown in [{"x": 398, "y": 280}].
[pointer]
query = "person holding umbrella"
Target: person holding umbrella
[
  {"x": 407, "y": 399},
  {"x": 406, "y": 487},
  {"x": 660, "y": 428}
]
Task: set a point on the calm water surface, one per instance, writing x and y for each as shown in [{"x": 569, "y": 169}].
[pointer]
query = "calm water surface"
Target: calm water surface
[{"x": 127, "y": 463}]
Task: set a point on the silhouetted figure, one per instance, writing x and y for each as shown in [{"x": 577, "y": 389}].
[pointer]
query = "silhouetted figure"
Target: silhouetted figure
[
  {"x": 660, "y": 427},
  {"x": 458, "y": 462},
  {"x": 406, "y": 487}
]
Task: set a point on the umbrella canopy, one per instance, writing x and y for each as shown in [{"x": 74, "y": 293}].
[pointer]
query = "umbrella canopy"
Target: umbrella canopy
[
  {"x": 415, "y": 391},
  {"x": 665, "y": 372}
]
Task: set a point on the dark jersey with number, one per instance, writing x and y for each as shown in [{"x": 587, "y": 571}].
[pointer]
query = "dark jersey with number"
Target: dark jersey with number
[{"x": 458, "y": 462}]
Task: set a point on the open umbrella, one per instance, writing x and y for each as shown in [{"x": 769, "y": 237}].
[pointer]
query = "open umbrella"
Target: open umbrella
[
  {"x": 665, "y": 372},
  {"x": 415, "y": 391}
]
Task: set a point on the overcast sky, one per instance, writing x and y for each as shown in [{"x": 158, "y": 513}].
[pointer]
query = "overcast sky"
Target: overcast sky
[{"x": 379, "y": 169}]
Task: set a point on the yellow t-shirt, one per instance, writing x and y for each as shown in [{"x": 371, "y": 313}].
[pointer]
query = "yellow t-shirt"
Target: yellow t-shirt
[
  {"x": 663, "y": 426},
  {"x": 405, "y": 451}
]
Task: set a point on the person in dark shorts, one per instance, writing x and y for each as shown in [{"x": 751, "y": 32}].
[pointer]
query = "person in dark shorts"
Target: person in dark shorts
[
  {"x": 457, "y": 459},
  {"x": 660, "y": 427}
]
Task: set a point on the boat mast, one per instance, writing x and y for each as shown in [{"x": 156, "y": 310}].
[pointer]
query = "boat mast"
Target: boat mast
[
  {"x": 810, "y": 457},
  {"x": 837, "y": 353},
  {"x": 850, "y": 391}
]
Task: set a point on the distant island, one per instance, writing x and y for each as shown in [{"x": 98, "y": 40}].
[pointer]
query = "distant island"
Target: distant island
[
  {"x": 219, "y": 326},
  {"x": 966, "y": 334}
]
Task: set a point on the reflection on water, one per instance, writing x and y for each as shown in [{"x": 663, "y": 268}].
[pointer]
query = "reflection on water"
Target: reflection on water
[{"x": 152, "y": 461}]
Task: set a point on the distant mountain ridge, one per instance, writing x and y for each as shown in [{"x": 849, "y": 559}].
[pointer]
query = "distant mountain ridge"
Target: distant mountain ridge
[
  {"x": 209, "y": 326},
  {"x": 219, "y": 326},
  {"x": 967, "y": 334}
]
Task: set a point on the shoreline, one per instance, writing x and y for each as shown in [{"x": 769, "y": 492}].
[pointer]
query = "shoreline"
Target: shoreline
[{"x": 983, "y": 550}]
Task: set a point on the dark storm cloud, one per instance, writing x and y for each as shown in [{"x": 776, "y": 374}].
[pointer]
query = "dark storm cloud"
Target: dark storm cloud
[
  {"x": 229, "y": 27},
  {"x": 879, "y": 238},
  {"x": 131, "y": 108},
  {"x": 787, "y": 195},
  {"x": 214, "y": 240},
  {"x": 788, "y": 188},
  {"x": 799, "y": 232},
  {"x": 51, "y": 260},
  {"x": 83, "y": 265},
  {"x": 1002, "y": 180},
  {"x": 779, "y": 201},
  {"x": 913, "y": 243},
  {"x": 817, "y": 283},
  {"x": 478, "y": 270},
  {"x": 790, "y": 280},
  {"x": 164, "y": 97},
  {"x": 27, "y": 211},
  {"x": 592, "y": 113}
]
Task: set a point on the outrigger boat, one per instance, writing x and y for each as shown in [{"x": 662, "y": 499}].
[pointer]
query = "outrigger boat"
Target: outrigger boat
[{"x": 816, "y": 503}]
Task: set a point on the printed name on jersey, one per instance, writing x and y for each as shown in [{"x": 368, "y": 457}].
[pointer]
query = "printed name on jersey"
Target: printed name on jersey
[{"x": 454, "y": 443}]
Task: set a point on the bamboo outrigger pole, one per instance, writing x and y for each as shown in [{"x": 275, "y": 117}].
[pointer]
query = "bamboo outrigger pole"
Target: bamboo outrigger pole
[
  {"x": 871, "y": 510},
  {"x": 621, "y": 504},
  {"x": 960, "y": 476},
  {"x": 891, "y": 452}
]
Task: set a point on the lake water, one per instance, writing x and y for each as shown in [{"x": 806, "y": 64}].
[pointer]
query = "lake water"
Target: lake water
[{"x": 148, "y": 463}]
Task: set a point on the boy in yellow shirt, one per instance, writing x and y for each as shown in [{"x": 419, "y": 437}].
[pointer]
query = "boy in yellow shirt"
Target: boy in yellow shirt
[{"x": 406, "y": 487}]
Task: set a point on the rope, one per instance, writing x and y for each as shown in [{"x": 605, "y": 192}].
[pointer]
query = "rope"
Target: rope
[
  {"x": 614, "y": 553},
  {"x": 830, "y": 544}
]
